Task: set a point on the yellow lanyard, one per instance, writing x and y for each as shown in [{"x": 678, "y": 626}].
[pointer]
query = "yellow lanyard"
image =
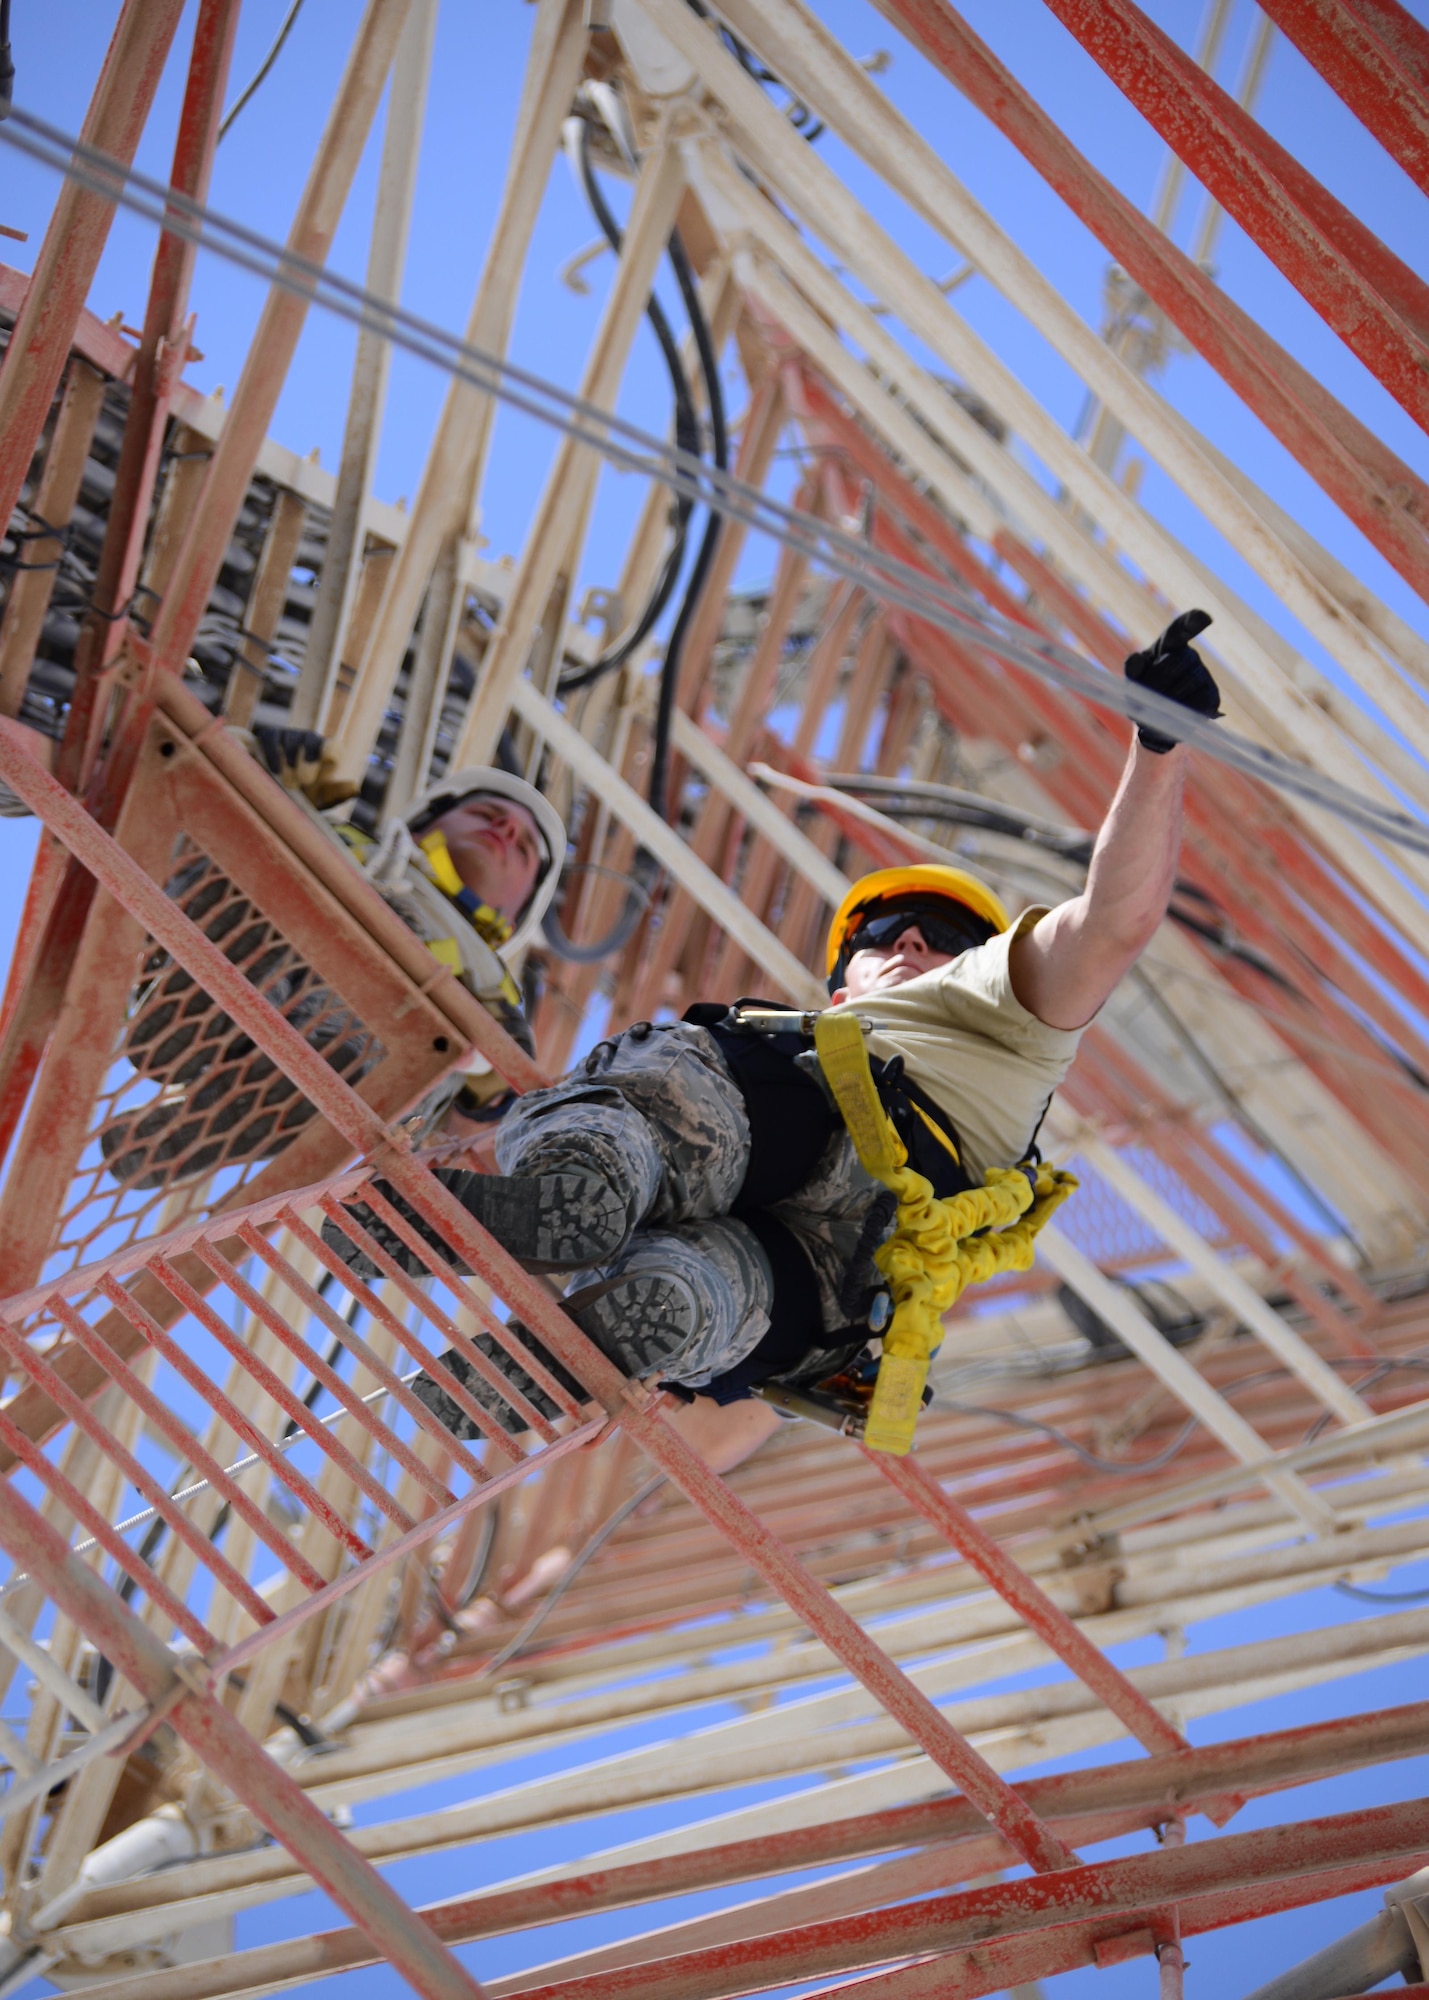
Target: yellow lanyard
[{"x": 938, "y": 1246}]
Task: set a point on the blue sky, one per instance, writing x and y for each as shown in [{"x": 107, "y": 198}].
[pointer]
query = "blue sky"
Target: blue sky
[{"x": 475, "y": 88}]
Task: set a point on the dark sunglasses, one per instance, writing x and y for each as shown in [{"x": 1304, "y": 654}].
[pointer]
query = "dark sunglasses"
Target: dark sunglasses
[{"x": 939, "y": 933}]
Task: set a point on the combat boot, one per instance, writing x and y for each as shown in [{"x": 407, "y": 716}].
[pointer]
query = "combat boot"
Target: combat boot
[
  {"x": 549, "y": 1222},
  {"x": 643, "y": 1322}
]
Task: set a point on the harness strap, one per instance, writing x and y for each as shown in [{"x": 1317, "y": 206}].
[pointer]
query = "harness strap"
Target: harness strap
[
  {"x": 939, "y": 1246},
  {"x": 489, "y": 924}
]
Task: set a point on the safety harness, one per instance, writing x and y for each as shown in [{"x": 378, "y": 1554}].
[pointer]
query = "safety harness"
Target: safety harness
[
  {"x": 939, "y": 1245},
  {"x": 949, "y": 1232}
]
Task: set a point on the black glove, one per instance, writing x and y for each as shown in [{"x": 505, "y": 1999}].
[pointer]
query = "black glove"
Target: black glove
[
  {"x": 302, "y": 761},
  {"x": 287, "y": 751},
  {"x": 1171, "y": 666}
]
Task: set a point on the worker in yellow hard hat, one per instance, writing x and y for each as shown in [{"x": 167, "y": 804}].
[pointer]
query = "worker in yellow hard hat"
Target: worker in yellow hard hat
[
  {"x": 950, "y": 910},
  {"x": 697, "y": 1177}
]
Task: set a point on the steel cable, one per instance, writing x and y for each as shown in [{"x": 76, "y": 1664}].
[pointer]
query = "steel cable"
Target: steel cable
[
  {"x": 940, "y": 602},
  {"x": 687, "y": 437},
  {"x": 251, "y": 89}
]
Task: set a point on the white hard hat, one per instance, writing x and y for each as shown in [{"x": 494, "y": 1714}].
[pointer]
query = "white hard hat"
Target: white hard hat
[{"x": 461, "y": 784}]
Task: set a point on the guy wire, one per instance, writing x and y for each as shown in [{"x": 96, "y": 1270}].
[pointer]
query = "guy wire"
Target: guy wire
[{"x": 941, "y": 603}]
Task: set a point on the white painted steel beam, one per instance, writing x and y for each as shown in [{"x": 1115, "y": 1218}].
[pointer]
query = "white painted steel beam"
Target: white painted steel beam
[
  {"x": 557, "y": 533},
  {"x": 66, "y": 1691},
  {"x": 36, "y": 1784},
  {"x": 1125, "y": 1318},
  {"x": 665, "y": 844},
  {"x": 745, "y": 796},
  {"x": 1227, "y": 1284},
  {"x": 396, "y": 186},
  {"x": 452, "y": 474}
]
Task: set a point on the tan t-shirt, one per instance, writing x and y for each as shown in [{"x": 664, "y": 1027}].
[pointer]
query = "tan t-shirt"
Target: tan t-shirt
[{"x": 966, "y": 1038}]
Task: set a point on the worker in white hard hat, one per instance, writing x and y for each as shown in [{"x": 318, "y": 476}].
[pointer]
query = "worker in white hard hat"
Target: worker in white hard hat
[
  {"x": 698, "y": 1177},
  {"x": 470, "y": 866}
]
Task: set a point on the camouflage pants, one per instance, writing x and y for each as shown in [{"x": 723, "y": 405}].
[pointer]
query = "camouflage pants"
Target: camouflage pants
[{"x": 657, "y": 1114}]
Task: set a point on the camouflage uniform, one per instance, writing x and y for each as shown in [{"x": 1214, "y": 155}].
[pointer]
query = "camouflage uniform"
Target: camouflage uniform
[
  {"x": 641, "y": 1163},
  {"x": 657, "y": 1113}
]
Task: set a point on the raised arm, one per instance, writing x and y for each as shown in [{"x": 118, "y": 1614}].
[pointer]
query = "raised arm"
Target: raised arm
[{"x": 1069, "y": 963}]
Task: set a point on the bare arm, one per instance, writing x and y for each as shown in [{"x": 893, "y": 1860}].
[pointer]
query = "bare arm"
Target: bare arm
[
  {"x": 1068, "y": 964},
  {"x": 725, "y": 1434}
]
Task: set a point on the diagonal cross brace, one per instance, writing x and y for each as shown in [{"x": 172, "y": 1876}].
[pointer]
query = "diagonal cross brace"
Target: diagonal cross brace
[
  {"x": 360, "y": 1125},
  {"x": 227, "y": 1750}
]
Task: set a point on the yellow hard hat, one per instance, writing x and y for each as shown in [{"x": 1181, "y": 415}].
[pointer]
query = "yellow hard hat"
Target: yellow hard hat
[{"x": 917, "y": 881}]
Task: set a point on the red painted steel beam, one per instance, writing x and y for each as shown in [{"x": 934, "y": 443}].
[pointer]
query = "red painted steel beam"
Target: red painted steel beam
[
  {"x": 236, "y": 449},
  {"x": 50, "y": 320},
  {"x": 74, "y": 241},
  {"x": 31, "y": 1011},
  {"x": 1366, "y": 72},
  {"x": 319, "y": 1310},
  {"x": 230, "y": 1753},
  {"x": 163, "y": 353},
  {"x": 45, "y": 878},
  {"x": 126, "y": 1262},
  {"x": 846, "y": 1639},
  {"x": 1406, "y": 38},
  {"x": 1004, "y": 1963},
  {"x": 1387, "y": 501},
  {"x": 946, "y": 1823},
  {"x": 45, "y": 1158},
  {"x": 1245, "y": 1870},
  {"x": 88, "y": 1517},
  {"x": 407, "y": 1546},
  {"x": 189, "y": 1371},
  {"x": 1376, "y": 304},
  {"x": 95, "y": 340},
  {"x": 304, "y": 866},
  {"x": 1031, "y": 1603},
  {"x": 313, "y": 854},
  {"x": 346, "y": 1112},
  {"x": 188, "y": 1451}
]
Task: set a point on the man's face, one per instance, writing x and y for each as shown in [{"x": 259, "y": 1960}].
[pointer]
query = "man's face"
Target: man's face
[
  {"x": 893, "y": 963},
  {"x": 496, "y": 848}
]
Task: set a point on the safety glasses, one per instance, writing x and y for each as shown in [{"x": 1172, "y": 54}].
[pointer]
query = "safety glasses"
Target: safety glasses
[{"x": 940, "y": 933}]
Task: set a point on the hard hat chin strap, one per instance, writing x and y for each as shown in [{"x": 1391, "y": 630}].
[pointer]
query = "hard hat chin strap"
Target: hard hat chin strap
[{"x": 488, "y": 923}]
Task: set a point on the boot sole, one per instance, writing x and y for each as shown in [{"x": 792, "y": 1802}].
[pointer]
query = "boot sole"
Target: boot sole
[
  {"x": 642, "y": 1322},
  {"x": 665, "y": 1319}
]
